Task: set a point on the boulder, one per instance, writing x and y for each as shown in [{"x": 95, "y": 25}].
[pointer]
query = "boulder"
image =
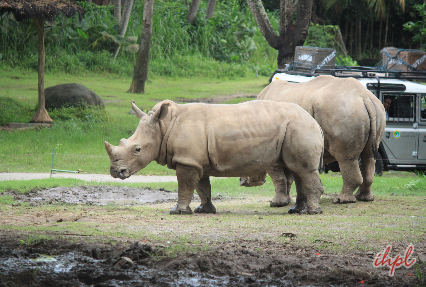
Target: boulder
[{"x": 72, "y": 95}]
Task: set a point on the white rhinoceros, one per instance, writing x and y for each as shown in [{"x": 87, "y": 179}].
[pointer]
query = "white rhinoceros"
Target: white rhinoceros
[
  {"x": 353, "y": 122},
  {"x": 201, "y": 140}
]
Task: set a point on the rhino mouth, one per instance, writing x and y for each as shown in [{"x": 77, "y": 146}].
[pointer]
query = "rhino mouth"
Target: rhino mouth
[{"x": 120, "y": 173}]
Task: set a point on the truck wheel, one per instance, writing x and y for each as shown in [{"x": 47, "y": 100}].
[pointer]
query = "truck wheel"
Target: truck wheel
[{"x": 379, "y": 166}]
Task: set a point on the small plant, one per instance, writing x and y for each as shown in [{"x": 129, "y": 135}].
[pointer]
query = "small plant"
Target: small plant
[
  {"x": 33, "y": 240},
  {"x": 342, "y": 60}
]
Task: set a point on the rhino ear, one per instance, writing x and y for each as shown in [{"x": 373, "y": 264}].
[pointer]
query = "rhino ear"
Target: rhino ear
[
  {"x": 138, "y": 112},
  {"x": 160, "y": 113},
  {"x": 109, "y": 147}
]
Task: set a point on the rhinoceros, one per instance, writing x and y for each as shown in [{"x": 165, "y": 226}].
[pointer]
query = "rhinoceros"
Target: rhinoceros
[
  {"x": 353, "y": 122},
  {"x": 202, "y": 140}
]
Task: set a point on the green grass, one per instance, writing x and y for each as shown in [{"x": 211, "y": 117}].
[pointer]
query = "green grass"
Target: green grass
[{"x": 80, "y": 145}]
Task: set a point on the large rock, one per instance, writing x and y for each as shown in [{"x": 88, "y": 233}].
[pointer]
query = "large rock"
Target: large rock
[{"x": 72, "y": 95}]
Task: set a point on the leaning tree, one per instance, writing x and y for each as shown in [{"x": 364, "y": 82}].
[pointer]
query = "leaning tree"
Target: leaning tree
[
  {"x": 40, "y": 11},
  {"x": 295, "y": 17}
]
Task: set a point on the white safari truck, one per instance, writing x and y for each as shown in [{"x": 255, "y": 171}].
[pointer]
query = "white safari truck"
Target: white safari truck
[{"x": 403, "y": 146}]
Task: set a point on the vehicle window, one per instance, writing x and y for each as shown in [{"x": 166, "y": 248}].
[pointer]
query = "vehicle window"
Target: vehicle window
[
  {"x": 400, "y": 107},
  {"x": 423, "y": 108}
]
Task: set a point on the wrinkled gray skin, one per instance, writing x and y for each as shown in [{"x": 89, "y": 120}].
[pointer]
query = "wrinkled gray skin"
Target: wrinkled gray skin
[
  {"x": 353, "y": 122},
  {"x": 201, "y": 140}
]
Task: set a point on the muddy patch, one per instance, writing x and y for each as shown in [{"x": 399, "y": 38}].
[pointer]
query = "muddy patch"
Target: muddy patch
[
  {"x": 95, "y": 195},
  {"x": 60, "y": 263}
]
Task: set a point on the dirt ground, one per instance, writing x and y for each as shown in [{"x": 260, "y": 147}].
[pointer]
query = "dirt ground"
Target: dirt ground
[{"x": 78, "y": 262}]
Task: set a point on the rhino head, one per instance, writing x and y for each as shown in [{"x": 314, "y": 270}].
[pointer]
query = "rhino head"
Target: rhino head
[{"x": 136, "y": 152}]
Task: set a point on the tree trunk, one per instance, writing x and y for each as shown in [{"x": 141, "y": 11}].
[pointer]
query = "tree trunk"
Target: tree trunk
[
  {"x": 342, "y": 43},
  {"x": 210, "y": 8},
  {"x": 41, "y": 115},
  {"x": 117, "y": 10},
  {"x": 193, "y": 10},
  {"x": 372, "y": 36},
  {"x": 291, "y": 34},
  {"x": 127, "y": 11},
  {"x": 346, "y": 29},
  {"x": 358, "y": 44},
  {"x": 380, "y": 34},
  {"x": 366, "y": 36},
  {"x": 351, "y": 38},
  {"x": 387, "y": 25},
  {"x": 141, "y": 67}
]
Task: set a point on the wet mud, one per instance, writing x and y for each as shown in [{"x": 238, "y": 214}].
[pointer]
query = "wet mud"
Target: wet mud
[
  {"x": 80, "y": 262},
  {"x": 95, "y": 195},
  {"x": 55, "y": 263}
]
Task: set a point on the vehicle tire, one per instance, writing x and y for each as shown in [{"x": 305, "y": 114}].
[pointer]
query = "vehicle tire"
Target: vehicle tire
[{"x": 379, "y": 166}]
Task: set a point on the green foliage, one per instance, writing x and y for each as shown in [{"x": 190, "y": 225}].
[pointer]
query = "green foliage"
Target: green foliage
[
  {"x": 227, "y": 45},
  {"x": 14, "y": 111},
  {"x": 347, "y": 61},
  {"x": 419, "y": 27},
  {"x": 323, "y": 36}
]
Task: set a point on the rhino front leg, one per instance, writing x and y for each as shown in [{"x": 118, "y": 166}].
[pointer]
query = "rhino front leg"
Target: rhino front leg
[
  {"x": 282, "y": 179},
  {"x": 204, "y": 190},
  {"x": 188, "y": 178}
]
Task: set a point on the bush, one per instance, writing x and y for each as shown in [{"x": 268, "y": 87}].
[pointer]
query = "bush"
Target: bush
[{"x": 14, "y": 111}]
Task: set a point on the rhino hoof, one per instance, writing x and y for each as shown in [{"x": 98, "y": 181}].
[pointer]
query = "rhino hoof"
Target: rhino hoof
[
  {"x": 297, "y": 208},
  {"x": 364, "y": 196},
  {"x": 344, "y": 199},
  {"x": 280, "y": 203},
  {"x": 206, "y": 208},
  {"x": 175, "y": 210},
  {"x": 309, "y": 210}
]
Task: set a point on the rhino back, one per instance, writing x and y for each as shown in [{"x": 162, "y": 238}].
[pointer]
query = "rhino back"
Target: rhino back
[
  {"x": 233, "y": 137},
  {"x": 337, "y": 104}
]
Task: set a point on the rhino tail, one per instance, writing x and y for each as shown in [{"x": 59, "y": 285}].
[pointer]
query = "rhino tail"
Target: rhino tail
[
  {"x": 371, "y": 110},
  {"x": 321, "y": 167}
]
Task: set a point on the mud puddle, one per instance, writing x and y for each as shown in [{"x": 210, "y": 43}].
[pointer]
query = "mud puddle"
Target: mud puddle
[
  {"x": 95, "y": 195},
  {"x": 56, "y": 263}
]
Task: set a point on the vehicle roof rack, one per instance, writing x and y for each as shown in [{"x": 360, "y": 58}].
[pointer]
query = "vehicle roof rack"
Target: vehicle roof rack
[{"x": 358, "y": 72}]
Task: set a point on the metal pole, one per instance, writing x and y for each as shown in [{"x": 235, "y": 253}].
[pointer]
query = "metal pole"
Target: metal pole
[{"x": 51, "y": 167}]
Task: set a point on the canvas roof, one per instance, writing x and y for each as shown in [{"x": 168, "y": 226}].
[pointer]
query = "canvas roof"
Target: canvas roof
[{"x": 46, "y": 9}]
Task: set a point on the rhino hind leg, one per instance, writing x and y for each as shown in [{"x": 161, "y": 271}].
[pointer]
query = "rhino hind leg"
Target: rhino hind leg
[
  {"x": 309, "y": 190},
  {"x": 188, "y": 177},
  {"x": 204, "y": 190},
  {"x": 352, "y": 179},
  {"x": 282, "y": 179},
  {"x": 367, "y": 170}
]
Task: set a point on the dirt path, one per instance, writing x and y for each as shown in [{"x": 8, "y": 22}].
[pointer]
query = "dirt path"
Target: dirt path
[{"x": 80, "y": 260}]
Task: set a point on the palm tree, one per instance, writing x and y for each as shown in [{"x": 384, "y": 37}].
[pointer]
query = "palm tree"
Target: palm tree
[{"x": 381, "y": 7}]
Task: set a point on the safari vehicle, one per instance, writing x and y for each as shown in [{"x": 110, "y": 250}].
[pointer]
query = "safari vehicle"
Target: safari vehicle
[{"x": 403, "y": 146}]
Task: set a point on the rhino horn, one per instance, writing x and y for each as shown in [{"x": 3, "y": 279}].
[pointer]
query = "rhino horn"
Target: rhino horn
[
  {"x": 139, "y": 113},
  {"x": 109, "y": 147}
]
